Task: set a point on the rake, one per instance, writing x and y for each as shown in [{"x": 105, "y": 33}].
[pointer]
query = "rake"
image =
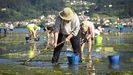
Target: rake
[{"x": 28, "y": 60}]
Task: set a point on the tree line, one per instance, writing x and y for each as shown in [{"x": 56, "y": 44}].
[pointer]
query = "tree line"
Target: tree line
[{"x": 11, "y": 10}]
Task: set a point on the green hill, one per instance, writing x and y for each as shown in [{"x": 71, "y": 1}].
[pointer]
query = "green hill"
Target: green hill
[{"x": 11, "y": 10}]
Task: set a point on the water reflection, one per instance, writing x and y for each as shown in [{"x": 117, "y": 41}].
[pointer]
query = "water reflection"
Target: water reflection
[
  {"x": 33, "y": 51},
  {"x": 74, "y": 69},
  {"x": 2, "y": 35},
  {"x": 90, "y": 68},
  {"x": 118, "y": 39},
  {"x": 102, "y": 54},
  {"x": 114, "y": 66},
  {"x": 57, "y": 69}
]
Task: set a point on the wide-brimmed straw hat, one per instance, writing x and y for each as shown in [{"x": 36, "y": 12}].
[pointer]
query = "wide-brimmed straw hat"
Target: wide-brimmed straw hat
[{"x": 66, "y": 14}]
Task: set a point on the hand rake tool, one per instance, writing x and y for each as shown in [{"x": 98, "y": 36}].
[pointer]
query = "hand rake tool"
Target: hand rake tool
[{"x": 28, "y": 60}]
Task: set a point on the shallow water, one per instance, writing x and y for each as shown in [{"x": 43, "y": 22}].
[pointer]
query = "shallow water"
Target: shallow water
[
  {"x": 23, "y": 30},
  {"x": 14, "y": 51}
]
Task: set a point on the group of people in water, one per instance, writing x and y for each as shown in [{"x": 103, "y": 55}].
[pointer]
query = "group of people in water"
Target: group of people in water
[
  {"x": 6, "y": 26},
  {"x": 67, "y": 28}
]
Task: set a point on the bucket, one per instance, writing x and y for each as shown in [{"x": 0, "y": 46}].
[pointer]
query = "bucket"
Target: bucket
[
  {"x": 98, "y": 40},
  {"x": 114, "y": 59},
  {"x": 73, "y": 58}
]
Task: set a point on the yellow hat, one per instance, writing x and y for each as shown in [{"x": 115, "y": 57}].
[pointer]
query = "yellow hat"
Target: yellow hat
[{"x": 66, "y": 14}]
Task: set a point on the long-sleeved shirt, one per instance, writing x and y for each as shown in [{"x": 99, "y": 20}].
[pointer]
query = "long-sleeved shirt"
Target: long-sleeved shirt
[{"x": 71, "y": 27}]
